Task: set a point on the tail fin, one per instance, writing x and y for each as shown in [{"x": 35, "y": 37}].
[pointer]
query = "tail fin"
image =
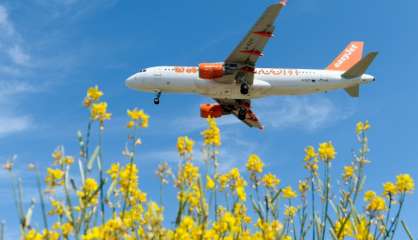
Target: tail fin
[
  {"x": 360, "y": 67},
  {"x": 347, "y": 58}
]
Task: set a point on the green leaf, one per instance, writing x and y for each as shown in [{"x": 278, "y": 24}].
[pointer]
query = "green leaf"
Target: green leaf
[
  {"x": 93, "y": 157},
  {"x": 257, "y": 209},
  {"x": 111, "y": 188},
  {"x": 29, "y": 213},
  {"x": 407, "y": 230},
  {"x": 80, "y": 166}
]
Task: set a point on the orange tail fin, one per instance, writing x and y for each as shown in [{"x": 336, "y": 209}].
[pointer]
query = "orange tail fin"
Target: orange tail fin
[{"x": 347, "y": 58}]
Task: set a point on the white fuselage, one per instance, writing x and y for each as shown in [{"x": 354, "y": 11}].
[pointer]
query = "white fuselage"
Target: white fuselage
[{"x": 267, "y": 82}]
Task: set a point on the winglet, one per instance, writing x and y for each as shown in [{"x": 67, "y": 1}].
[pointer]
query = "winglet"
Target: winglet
[{"x": 360, "y": 68}]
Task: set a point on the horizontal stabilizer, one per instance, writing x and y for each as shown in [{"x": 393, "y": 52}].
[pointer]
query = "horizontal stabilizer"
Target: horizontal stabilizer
[
  {"x": 360, "y": 68},
  {"x": 353, "y": 91}
]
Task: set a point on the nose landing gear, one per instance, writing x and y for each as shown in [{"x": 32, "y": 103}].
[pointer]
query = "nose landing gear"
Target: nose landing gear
[{"x": 157, "y": 98}]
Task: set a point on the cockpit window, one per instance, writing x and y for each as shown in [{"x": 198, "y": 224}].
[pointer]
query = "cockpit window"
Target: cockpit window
[{"x": 143, "y": 70}]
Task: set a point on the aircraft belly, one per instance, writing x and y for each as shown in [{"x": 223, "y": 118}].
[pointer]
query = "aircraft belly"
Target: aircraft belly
[{"x": 214, "y": 89}]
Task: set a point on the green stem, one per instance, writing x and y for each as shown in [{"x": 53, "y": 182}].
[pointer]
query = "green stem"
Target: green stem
[
  {"x": 41, "y": 197},
  {"x": 313, "y": 207},
  {"x": 327, "y": 180},
  {"x": 102, "y": 207},
  {"x": 394, "y": 225}
]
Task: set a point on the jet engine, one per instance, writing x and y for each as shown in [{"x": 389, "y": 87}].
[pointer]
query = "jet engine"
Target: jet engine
[
  {"x": 211, "y": 110},
  {"x": 211, "y": 70}
]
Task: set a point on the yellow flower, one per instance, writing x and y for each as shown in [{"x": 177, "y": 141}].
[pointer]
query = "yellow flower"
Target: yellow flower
[
  {"x": 377, "y": 203},
  {"x": 57, "y": 208},
  {"x": 234, "y": 174},
  {"x": 326, "y": 151},
  {"x": 66, "y": 229},
  {"x": 289, "y": 193},
  {"x": 254, "y": 164},
  {"x": 211, "y": 136},
  {"x": 405, "y": 183},
  {"x": 130, "y": 124},
  {"x": 362, "y": 228},
  {"x": 88, "y": 193},
  {"x": 210, "y": 184},
  {"x": 114, "y": 171},
  {"x": 188, "y": 174},
  {"x": 287, "y": 237},
  {"x": 94, "y": 93},
  {"x": 390, "y": 189},
  {"x": 68, "y": 160},
  {"x": 303, "y": 187},
  {"x": 369, "y": 195},
  {"x": 32, "y": 235},
  {"x": 310, "y": 153},
  {"x": 57, "y": 155},
  {"x": 223, "y": 181},
  {"x": 241, "y": 193},
  {"x": 270, "y": 180},
  {"x": 54, "y": 177},
  {"x": 290, "y": 211},
  {"x": 343, "y": 228},
  {"x": 99, "y": 112},
  {"x": 184, "y": 145},
  {"x": 50, "y": 235},
  {"x": 139, "y": 116},
  {"x": 362, "y": 127},
  {"x": 348, "y": 172}
]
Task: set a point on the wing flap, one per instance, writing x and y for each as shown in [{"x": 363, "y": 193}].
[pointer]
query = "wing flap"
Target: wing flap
[{"x": 233, "y": 106}]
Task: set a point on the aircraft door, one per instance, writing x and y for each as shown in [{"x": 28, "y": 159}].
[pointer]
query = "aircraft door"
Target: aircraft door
[{"x": 157, "y": 79}]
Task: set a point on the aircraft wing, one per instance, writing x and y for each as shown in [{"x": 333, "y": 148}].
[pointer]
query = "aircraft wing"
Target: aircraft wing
[
  {"x": 241, "y": 62},
  {"x": 233, "y": 106}
]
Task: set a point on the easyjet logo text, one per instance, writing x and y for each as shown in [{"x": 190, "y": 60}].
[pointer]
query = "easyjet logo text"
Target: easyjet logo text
[{"x": 346, "y": 56}]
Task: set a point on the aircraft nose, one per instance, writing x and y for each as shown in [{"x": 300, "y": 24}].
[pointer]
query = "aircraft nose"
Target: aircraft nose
[{"x": 130, "y": 81}]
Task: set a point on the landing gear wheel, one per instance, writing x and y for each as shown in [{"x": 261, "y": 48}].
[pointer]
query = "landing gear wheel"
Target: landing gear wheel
[
  {"x": 244, "y": 89},
  {"x": 242, "y": 114},
  {"x": 157, "y": 98},
  {"x": 156, "y": 101}
]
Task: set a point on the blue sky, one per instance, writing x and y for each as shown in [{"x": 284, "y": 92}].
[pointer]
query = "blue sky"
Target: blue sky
[{"x": 52, "y": 50}]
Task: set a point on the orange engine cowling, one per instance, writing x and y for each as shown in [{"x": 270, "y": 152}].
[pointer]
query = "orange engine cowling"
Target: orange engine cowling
[
  {"x": 211, "y": 110},
  {"x": 211, "y": 70}
]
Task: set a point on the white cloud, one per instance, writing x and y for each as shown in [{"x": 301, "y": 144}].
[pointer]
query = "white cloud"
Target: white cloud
[
  {"x": 5, "y": 25},
  {"x": 18, "y": 55},
  {"x": 10, "y": 120},
  {"x": 195, "y": 122},
  {"x": 13, "y": 124},
  {"x": 308, "y": 112},
  {"x": 11, "y": 42},
  {"x": 13, "y": 60}
]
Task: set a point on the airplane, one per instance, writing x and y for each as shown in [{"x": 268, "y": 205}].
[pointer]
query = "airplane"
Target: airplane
[{"x": 235, "y": 81}]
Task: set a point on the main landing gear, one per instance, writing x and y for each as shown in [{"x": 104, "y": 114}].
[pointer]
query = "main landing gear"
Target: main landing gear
[
  {"x": 157, "y": 98},
  {"x": 242, "y": 114},
  {"x": 244, "y": 88}
]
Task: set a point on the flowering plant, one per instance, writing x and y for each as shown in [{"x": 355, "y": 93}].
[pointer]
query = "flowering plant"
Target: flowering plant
[{"x": 250, "y": 204}]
